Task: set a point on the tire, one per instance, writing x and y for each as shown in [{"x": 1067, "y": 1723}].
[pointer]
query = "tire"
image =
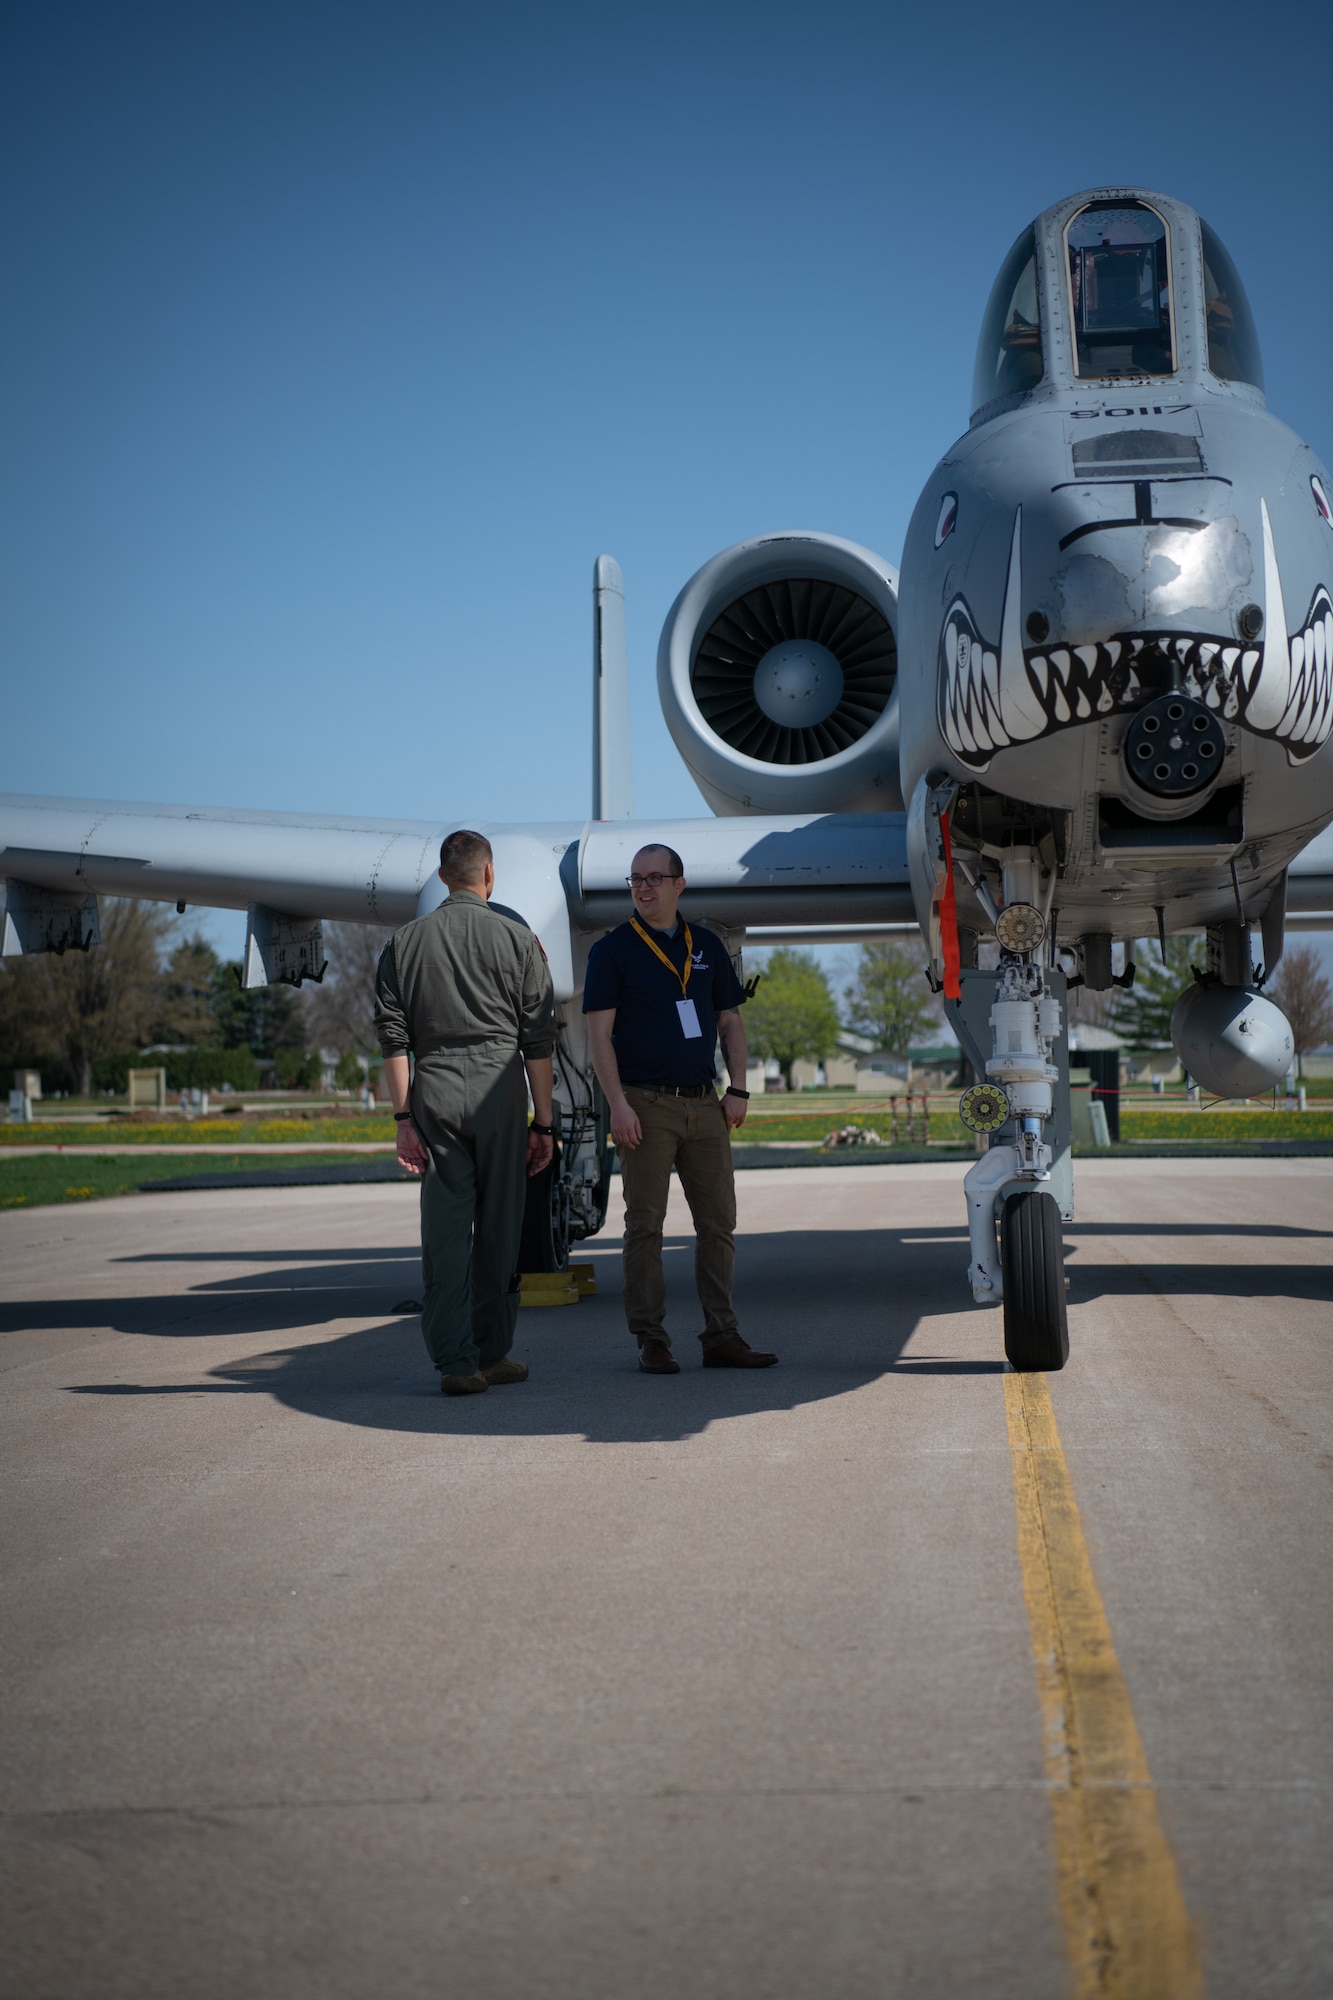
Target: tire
[
  {"x": 544, "y": 1245},
  {"x": 583, "y": 1224},
  {"x": 1032, "y": 1253}
]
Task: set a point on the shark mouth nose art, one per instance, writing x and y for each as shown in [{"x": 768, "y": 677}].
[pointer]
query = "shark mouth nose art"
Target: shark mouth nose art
[{"x": 996, "y": 695}]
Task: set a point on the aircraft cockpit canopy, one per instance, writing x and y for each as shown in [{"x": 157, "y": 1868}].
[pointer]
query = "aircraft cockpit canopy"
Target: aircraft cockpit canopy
[
  {"x": 1120, "y": 290},
  {"x": 1233, "y": 344},
  {"x": 1123, "y": 277},
  {"x": 1009, "y": 351}
]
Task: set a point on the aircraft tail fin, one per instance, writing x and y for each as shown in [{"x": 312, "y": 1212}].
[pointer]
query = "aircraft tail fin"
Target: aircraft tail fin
[{"x": 612, "y": 771}]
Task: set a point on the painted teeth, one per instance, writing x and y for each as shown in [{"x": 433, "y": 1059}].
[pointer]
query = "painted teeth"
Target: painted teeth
[
  {"x": 991, "y": 698},
  {"x": 1307, "y": 717}
]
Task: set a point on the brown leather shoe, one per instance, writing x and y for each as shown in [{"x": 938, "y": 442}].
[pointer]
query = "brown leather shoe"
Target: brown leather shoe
[
  {"x": 730, "y": 1351},
  {"x": 463, "y": 1385},
  {"x": 656, "y": 1358},
  {"x": 507, "y": 1370}
]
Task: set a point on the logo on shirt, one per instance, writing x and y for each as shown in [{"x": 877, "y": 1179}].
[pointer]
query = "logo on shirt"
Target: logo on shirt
[{"x": 697, "y": 961}]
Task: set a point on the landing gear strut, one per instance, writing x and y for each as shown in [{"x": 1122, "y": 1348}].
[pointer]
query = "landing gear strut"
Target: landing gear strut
[{"x": 1015, "y": 1108}]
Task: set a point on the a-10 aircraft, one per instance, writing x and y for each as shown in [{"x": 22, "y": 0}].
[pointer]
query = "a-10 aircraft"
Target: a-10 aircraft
[{"x": 1097, "y": 708}]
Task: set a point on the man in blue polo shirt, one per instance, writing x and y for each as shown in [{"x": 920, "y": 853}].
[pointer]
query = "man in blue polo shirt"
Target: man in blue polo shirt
[{"x": 658, "y": 996}]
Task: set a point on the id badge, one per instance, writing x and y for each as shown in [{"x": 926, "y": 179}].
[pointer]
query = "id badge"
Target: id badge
[{"x": 689, "y": 1020}]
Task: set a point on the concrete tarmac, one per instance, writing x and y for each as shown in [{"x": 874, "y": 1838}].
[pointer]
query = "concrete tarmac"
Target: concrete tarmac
[{"x": 610, "y": 1687}]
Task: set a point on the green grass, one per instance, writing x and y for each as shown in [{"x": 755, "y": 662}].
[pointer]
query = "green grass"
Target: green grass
[
  {"x": 1204, "y": 1128},
  {"x": 817, "y": 1125},
  {"x": 1216, "y": 1128},
  {"x": 205, "y": 1132},
  {"x": 40, "y": 1182}
]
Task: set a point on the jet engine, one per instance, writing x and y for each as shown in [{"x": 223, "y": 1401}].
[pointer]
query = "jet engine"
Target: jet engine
[
  {"x": 1230, "y": 1039},
  {"x": 777, "y": 671}
]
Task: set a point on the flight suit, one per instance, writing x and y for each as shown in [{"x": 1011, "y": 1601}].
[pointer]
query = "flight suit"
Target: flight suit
[{"x": 467, "y": 991}]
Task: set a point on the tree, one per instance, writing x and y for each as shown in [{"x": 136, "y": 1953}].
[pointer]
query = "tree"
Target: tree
[
  {"x": 340, "y": 1011},
  {"x": 78, "y": 1006},
  {"x": 266, "y": 1019},
  {"x": 1142, "y": 1012},
  {"x": 888, "y": 1000},
  {"x": 186, "y": 1014},
  {"x": 1305, "y": 996},
  {"x": 793, "y": 1016}
]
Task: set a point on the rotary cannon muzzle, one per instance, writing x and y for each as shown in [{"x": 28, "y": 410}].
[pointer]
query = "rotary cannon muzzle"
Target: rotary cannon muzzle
[{"x": 1174, "y": 747}]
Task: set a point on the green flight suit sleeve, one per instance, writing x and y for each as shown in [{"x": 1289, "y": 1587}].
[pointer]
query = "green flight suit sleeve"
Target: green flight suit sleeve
[
  {"x": 390, "y": 1014},
  {"x": 536, "y": 1032}
]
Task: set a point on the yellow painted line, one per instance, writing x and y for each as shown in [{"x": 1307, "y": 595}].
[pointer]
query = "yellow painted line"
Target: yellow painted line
[{"x": 1126, "y": 1926}]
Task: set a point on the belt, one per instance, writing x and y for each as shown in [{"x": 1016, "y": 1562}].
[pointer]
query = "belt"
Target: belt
[{"x": 677, "y": 1089}]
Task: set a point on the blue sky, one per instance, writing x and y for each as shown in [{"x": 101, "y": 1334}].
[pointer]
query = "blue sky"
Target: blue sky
[{"x": 340, "y": 339}]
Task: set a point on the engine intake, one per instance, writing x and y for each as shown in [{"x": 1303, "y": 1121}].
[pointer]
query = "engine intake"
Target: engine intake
[{"x": 777, "y": 673}]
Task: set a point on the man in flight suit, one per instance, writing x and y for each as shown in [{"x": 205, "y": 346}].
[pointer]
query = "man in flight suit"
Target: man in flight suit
[
  {"x": 468, "y": 992},
  {"x": 658, "y": 995}
]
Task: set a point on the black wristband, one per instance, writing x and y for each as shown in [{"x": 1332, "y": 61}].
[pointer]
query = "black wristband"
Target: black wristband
[
  {"x": 547, "y": 1131},
  {"x": 399, "y": 1116},
  {"x": 731, "y": 1091}
]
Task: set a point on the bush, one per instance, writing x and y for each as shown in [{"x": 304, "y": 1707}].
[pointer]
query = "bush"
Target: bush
[
  {"x": 202, "y": 1068},
  {"x": 207, "y": 1068},
  {"x": 109, "y": 1072},
  {"x": 349, "y": 1074},
  {"x": 297, "y": 1069}
]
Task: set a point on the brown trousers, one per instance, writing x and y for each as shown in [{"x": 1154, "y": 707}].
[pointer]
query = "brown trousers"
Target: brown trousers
[{"x": 689, "y": 1133}]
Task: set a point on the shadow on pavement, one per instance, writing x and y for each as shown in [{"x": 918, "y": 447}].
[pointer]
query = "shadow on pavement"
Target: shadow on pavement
[{"x": 838, "y": 1306}]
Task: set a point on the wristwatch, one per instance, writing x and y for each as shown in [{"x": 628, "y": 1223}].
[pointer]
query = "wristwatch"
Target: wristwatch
[
  {"x": 547, "y": 1131},
  {"x": 400, "y": 1116},
  {"x": 731, "y": 1091}
]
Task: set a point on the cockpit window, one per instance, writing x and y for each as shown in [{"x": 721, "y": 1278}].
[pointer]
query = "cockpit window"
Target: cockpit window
[
  {"x": 1009, "y": 351},
  {"x": 1233, "y": 344},
  {"x": 1120, "y": 285}
]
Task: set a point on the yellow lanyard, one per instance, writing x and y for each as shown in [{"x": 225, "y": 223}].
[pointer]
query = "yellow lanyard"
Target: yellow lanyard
[{"x": 656, "y": 948}]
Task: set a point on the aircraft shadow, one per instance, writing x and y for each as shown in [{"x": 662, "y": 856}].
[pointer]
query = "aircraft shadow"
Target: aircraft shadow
[{"x": 839, "y": 1307}]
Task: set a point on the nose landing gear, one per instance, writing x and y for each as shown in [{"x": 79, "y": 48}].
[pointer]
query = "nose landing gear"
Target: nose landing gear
[{"x": 1023, "y": 1109}]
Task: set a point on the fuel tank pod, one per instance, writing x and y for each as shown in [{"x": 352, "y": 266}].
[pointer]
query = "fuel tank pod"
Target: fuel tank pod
[{"x": 1230, "y": 1039}]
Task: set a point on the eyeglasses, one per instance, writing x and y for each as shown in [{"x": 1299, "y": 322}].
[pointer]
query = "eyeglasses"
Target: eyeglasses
[{"x": 649, "y": 881}]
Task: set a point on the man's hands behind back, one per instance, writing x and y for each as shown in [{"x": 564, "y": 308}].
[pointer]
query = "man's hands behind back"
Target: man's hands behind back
[{"x": 412, "y": 1153}]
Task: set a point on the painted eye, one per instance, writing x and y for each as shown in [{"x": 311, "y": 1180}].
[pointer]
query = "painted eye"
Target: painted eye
[
  {"x": 948, "y": 519},
  {"x": 1320, "y": 499}
]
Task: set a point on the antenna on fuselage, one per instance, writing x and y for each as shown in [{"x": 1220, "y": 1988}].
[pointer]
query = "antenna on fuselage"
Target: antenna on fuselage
[{"x": 612, "y": 764}]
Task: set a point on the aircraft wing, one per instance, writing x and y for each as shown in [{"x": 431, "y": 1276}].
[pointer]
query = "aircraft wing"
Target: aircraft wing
[{"x": 825, "y": 874}]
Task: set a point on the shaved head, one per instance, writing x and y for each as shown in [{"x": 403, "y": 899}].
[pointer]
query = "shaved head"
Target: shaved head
[
  {"x": 463, "y": 858},
  {"x": 667, "y": 860}
]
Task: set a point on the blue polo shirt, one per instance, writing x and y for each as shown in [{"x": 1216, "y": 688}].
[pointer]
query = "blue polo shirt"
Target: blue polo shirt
[{"x": 650, "y": 1044}]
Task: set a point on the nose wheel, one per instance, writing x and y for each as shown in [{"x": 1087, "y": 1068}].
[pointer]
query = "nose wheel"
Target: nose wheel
[{"x": 1032, "y": 1256}]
